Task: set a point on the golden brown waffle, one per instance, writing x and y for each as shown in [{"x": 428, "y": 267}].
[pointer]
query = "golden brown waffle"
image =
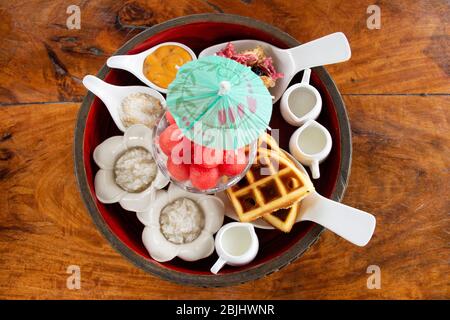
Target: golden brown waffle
[
  {"x": 283, "y": 219},
  {"x": 273, "y": 182},
  {"x": 266, "y": 144}
]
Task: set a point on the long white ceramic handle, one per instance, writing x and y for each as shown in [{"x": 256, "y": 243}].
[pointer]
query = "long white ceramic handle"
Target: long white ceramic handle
[
  {"x": 124, "y": 62},
  {"x": 354, "y": 225},
  {"x": 109, "y": 94},
  {"x": 332, "y": 48},
  {"x": 97, "y": 86}
]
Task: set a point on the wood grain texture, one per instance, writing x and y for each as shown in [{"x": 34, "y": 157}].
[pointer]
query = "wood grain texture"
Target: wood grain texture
[
  {"x": 400, "y": 173},
  {"x": 409, "y": 54},
  {"x": 400, "y": 168}
]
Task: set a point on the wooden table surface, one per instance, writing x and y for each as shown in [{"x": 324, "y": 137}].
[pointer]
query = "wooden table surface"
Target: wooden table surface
[{"x": 397, "y": 91}]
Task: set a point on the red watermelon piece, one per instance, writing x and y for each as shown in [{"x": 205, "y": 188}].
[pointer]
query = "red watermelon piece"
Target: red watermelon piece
[
  {"x": 170, "y": 118},
  {"x": 169, "y": 138},
  {"x": 179, "y": 172},
  {"x": 203, "y": 178}
]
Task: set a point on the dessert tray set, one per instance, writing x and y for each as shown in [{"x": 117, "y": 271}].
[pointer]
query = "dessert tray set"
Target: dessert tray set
[{"x": 197, "y": 161}]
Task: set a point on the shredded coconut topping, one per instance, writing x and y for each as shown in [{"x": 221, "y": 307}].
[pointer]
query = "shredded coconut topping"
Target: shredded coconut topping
[
  {"x": 135, "y": 170},
  {"x": 140, "y": 108},
  {"x": 182, "y": 221}
]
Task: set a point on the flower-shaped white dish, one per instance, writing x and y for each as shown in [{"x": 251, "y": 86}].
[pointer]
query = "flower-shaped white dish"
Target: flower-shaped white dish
[
  {"x": 106, "y": 156},
  {"x": 190, "y": 248}
]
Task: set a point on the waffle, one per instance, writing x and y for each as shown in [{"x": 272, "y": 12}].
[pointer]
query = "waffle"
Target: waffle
[
  {"x": 283, "y": 219},
  {"x": 267, "y": 144},
  {"x": 273, "y": 182}
]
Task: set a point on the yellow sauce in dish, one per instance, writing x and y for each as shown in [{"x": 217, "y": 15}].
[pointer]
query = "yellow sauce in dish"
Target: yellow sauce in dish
[{"x": 160, "y": 67}]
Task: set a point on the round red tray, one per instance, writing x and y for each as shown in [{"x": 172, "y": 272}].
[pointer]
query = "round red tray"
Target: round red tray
[{"x": 123, "y": 230}]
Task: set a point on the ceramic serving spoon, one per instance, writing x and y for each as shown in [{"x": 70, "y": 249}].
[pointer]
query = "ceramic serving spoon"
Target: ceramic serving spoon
[
  {"x": 352, "y": 224},
  {"x": 112, "y": 96},
  {"x": 134, "y": 63},
  {"x": 330, "y": 49}
]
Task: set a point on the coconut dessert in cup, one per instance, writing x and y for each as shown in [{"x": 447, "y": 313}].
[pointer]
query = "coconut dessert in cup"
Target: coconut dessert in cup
[{"x": 128, "y": 172}]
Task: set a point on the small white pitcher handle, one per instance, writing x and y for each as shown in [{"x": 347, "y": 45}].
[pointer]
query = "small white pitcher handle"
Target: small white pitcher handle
[
  {"x": 315, "y": 172},
  {"x": 306, "y": 76},
  {"x": 218, "y": 265}
]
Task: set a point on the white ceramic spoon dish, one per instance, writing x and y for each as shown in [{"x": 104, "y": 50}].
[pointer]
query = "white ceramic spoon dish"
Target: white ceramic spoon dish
[
  {"x": 112, "y": 96},
  {"x": 354, "y": 225},
  {"x": 329, "y": 49},
  {"x": 134, "y": 63}
]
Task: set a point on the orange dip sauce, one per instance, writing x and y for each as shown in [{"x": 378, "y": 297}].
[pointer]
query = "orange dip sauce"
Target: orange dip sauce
[{"x": 160, "y": 67}]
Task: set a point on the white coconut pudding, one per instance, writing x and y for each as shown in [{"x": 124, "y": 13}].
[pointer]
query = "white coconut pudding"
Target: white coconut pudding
[
  {"x": 181, "y": 224},
  {"x": 128, "y": 173},
  {"x": 140, "y": 108},
  {"x": 135, "y": 170},
  {"x": 181, "y": 221}
]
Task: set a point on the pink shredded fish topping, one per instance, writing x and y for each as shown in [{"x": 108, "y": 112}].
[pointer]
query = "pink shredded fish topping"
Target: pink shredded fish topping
[{"x": 255, "y": 58}]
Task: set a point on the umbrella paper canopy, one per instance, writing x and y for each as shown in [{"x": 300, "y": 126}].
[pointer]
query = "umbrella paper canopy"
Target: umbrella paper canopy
[{"x": 219, "y": 103}]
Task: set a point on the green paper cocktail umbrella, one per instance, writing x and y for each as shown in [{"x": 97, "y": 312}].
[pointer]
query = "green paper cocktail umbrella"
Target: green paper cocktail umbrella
[{"x": 219, "y": 103}]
